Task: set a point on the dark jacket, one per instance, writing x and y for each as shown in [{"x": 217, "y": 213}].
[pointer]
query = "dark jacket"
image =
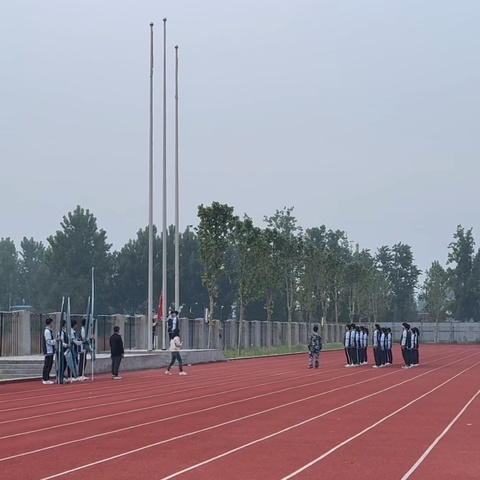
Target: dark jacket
[{"x": 116, "y": 345}]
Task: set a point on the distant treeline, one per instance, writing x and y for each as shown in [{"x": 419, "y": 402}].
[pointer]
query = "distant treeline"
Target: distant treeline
[{"x": 279, "y": 271}]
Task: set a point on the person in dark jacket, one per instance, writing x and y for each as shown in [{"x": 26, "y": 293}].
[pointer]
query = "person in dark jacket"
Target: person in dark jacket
[{"x": 116, "y": 348}]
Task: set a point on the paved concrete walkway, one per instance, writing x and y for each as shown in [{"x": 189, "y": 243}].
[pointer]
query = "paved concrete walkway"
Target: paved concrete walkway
[{"x": 133, "y": 360}]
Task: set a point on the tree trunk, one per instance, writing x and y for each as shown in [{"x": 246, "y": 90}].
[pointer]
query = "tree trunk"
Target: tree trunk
[
  {"x": 289, "y": 294},
  {"x": 240, "y": 329},
  {"x": 269, "y": 307},
  {"x": 336, "y": 305},
  {"x": 210, "y": 321}
]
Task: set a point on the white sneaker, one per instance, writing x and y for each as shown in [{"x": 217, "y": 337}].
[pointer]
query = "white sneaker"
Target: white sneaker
[
  {"x": 347, "y": 366},
  {"x": 47, "y": 382},
  {"x": 182, "y": 373},
  {"x": 375, "y": 366},
  {"x": 117, "y": 378},
  {"x": 83, "y": 377},
  {"x": 168, "y": 372}
]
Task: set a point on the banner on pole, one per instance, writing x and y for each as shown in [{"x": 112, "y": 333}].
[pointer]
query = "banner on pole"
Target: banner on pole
[{"x": 160, "y": 307}]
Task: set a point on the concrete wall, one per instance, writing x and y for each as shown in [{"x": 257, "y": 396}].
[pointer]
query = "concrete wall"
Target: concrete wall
[{"x": 18, "y": 335}]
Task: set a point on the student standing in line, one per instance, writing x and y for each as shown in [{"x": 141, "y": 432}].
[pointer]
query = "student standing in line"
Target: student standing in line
[
  {"x": 376, "y": 345},
  {"x": 175, "y": 347},
  {"x": 383, "y": 347},
  {"x": 358, "y": 344},
  {"x": 365, "y": 343},
  {"x": 83, "y": 352},
  {"x": 117, "y": 352},
  {"x": 63, "y": 337},
  {"x": 49, "y": 342},
  {"x": 314, "y": 347},
  {"x": 415, "y": 335},
  {"x": 389, "y": 359},
  {"x": 406, "y": 345},
  {"x": 76, "y": 345},
  {"x": 353, "y": 345},
  {"x": 346, "y": 343}
]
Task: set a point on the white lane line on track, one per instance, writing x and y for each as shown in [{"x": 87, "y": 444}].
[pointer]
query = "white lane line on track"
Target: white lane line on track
[
  {"x": 359, "y": 434},
  {"x": 81, "y": 393},
  {"x": 214, "y": 407},
  {"x": 201, "y": 387},
  {"x": 157, "y": 395},
  {"x": 435, "y": 442},
  {"x": 212, "y": 427},
  {"x": 86, "y": 384},
  {"x": 186, "y": 400},
  {"x": 171, "y": 418}
]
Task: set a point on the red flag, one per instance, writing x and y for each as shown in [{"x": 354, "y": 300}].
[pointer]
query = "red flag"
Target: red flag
[{"x": 160, "y": 308}]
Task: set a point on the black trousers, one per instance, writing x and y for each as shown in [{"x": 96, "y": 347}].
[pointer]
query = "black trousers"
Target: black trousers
[
  {"x": 415, "y": 356},
  {"x": 389, "y": 355},
  {"x": 116, "y": 365},
  {"x": 377, "y": 354},
  {"x": 349, "y": 360},
  {"x": 47, "y": 367},
  {"x": 352, "y": 351}
]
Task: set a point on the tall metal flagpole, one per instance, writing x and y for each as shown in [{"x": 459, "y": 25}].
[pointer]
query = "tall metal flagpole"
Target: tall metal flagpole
[
  {"x": 150, "y": 206},
  {"x": 177, "y": 245},
  {"x": 164, "y": 243}
]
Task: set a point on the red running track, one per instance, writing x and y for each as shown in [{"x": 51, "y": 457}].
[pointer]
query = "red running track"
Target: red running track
[{"x": 269, "y": 418}]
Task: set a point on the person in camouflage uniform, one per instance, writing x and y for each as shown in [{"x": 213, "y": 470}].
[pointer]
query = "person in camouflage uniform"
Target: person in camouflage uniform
[{"x": 314, "y": 347}]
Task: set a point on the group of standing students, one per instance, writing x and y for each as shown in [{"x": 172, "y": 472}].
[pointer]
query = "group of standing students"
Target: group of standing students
[
  {"x": 73, "y": 344},
  {"x": 356, "y": 343}
]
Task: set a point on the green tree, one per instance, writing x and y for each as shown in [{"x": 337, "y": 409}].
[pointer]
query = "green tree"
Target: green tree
[
  {"x": 397, "y": 266},
  {"x": 130, "y": 278},
  {"x": 9, "y": 274},
  {"x": 435, "y": 293},
  {"x": 338, "y": 246},
  {"x": 290, "y": 250},
  {"x": 314, "y": 281},
  {"x": 271, "y": 274},
  {"x": 193, "y": 295},
  {"x": 463, "y": 278},
  {"x": 71, "y": 254},
  {"x": 247, "y": 255},
  {"x": 215, "y": 234},
  {"x": 33, "y": 272}
]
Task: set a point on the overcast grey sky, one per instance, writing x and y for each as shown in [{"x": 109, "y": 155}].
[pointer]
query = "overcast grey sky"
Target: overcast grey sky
[{"x": 362, "y": 114}]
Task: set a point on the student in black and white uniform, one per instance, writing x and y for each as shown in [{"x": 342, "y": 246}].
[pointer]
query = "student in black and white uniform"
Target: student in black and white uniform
[
  {"x": 49, "y": 342},
  {"x": 415, "y": 335},
  {"x": 82, "y": 364},
  {"x": 353, "y": 346},
  {"x": 76, "y": 344},
  {"x": 365, "y": 345},
  {"x": 384, "y": 346},
  {"x": 406, "y": 345},
  {"x": 346, "y": 343},
  {"x": 376, "y": 345},
  {"x": 63, "y": 337},
  {"x": 389, "y": 357}
]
